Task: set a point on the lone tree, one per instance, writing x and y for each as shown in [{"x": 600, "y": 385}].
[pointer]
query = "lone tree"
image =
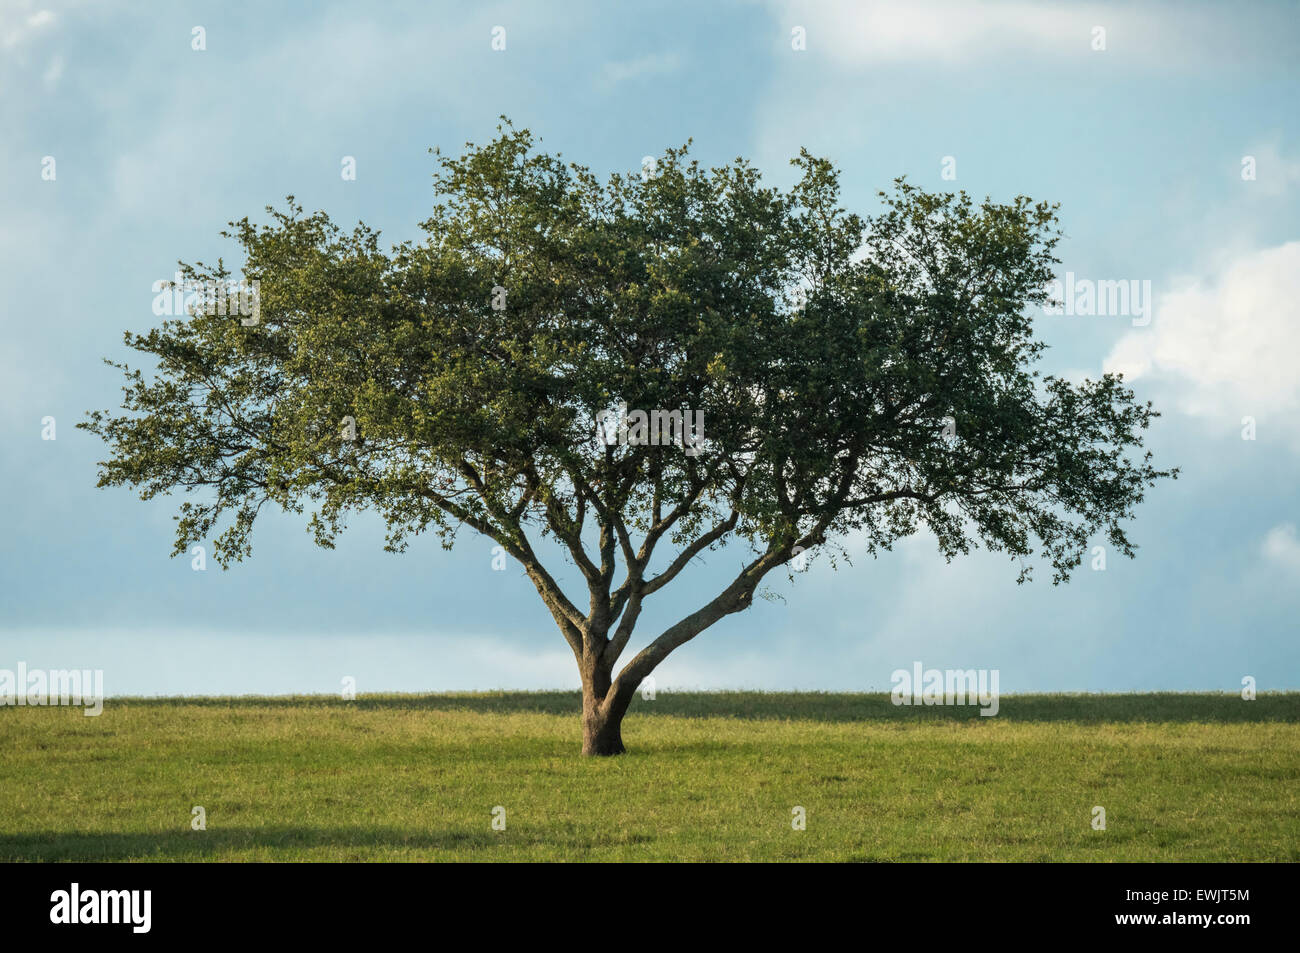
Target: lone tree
[{"x": 842, "y": 375}]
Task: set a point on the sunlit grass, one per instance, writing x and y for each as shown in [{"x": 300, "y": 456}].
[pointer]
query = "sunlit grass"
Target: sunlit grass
[{"x": 707, "y": 777}]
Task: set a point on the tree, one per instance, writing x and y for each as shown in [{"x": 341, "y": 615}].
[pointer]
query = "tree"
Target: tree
[{"x": 871, "y": 376}]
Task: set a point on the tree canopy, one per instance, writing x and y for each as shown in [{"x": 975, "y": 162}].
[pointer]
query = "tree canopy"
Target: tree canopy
[{"x": 863, "y": 377}]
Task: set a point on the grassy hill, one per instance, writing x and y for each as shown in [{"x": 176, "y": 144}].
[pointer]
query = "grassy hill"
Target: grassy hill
[{"x": 709, "y": 776}]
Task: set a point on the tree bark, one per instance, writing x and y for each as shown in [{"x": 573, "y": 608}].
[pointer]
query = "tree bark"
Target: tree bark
[
  {"x": 602, "y": 711},
  {"x": 601, "y": 732}
]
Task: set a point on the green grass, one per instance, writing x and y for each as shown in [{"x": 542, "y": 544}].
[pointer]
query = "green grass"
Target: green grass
[{"x": 707, "y": 777}]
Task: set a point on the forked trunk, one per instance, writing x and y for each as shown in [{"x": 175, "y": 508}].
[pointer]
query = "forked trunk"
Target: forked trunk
[
  {"x": 601, "y": 733},
  {"x": 602, "y": 713}
]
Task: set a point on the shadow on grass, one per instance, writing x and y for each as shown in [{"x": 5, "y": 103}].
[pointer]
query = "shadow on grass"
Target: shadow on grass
[
  {"x": 201, "y": 845},
  {"x": 215, "y": 843},
  {"x": 812, "y": 706}
]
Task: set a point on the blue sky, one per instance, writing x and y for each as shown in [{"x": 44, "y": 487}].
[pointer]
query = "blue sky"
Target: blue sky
[{"x": 157, "y": 145}]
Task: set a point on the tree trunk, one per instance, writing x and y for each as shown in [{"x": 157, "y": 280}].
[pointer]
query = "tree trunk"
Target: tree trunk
[
  {"x": 602, "y": 712},
  {"x": 601, "y": 732}
]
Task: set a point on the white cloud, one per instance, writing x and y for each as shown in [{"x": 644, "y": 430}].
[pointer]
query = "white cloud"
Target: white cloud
[
  {"x": 19, "y": 22},
  {"x": 1275, "y": 174},
  {"x": 954, "y": 31},
  {"x": 1281, "y": 546},
  {"x": 301, "y": 106},
  {"x": 1226, "y": 345},
  {"x": 215, "y": 662}
]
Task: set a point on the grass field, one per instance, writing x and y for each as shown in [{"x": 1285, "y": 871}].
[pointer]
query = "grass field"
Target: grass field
[{"x": 707, "y": 777}]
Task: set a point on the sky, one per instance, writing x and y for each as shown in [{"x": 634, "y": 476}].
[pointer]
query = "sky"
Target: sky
[{"x": 1168, "y": 133}]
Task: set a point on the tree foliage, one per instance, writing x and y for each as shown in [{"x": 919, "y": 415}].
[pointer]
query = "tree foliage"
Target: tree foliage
[{"x": 859, "y": 378}]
